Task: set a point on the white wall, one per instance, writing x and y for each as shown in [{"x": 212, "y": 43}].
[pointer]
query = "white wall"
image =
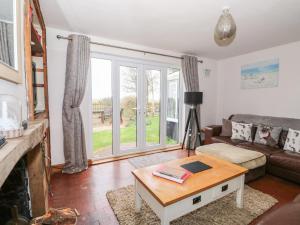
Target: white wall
[
  {"x": 16, "y": 90},
  {"x": 278, "y": 101},
  {"x": 56, "y": 78}
]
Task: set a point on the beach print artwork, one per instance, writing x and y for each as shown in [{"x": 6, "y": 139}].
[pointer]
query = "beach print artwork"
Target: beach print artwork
[{"x": 260, "y": 75}]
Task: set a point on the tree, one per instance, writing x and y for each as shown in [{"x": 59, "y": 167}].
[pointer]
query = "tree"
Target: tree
[
  {"x": 152, "y": 86},
  {"x": 129, "y": 84},
  {"x": 128, "y": 78}
]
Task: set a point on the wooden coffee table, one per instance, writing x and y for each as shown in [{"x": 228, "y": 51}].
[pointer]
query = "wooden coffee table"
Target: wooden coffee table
[{"x": 170, "y": 200}]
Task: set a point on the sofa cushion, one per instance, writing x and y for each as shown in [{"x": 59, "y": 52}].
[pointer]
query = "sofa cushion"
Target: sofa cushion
[
  {"x": 267, "y": 135},
  {"x": 292, "y": 142},
  {"x": 246, "y": 158},
  {"x": 242, "y": 131},
  {"x": 265, "y": 149},
  {"x": 286, "y": 159},
  {"x": 227, "y": 140},
  {"x": 282, "y": 138},
  {"x": 226, "y": 128}
]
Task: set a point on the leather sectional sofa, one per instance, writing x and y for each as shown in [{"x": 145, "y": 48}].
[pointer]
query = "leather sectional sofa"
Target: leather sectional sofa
[{"x": 285, "y": 164}]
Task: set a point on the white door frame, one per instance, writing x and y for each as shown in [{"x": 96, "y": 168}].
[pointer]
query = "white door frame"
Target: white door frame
[
  {"x": 162, "y": 116},
  {"x": 116, "y": 109},
  {"x": 142, "y": 66}
]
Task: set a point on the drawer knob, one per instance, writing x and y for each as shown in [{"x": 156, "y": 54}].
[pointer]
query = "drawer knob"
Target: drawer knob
[{"x": 225, "y": 187}]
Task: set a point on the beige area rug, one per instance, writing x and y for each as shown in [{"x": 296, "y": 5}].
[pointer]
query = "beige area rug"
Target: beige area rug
[
  {"x": 220, "y": 212},
  {"x": 149, "y": 160}
]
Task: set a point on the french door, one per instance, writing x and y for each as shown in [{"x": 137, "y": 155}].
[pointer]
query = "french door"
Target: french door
[{"x": 139, "y": 106}]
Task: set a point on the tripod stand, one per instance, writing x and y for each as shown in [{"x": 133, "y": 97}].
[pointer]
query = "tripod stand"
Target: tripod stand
[{"x": 192, "y": 116}]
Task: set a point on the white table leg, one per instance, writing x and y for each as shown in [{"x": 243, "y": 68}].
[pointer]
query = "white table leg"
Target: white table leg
[
  {"x": 240, "y": 193},
  {"x": 138, "y": 200},
  {"x": 164, "y": 221}
]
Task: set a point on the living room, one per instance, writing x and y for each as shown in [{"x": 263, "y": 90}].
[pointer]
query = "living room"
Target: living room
[{"x": 137, "y": 112}]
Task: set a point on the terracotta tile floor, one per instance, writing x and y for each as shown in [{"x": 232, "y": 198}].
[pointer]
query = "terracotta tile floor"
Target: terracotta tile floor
[{"x": 86, "y": 191}]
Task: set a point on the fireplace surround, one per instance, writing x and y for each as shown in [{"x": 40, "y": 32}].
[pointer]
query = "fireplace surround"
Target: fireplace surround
[{"x": 23, "y": 180}]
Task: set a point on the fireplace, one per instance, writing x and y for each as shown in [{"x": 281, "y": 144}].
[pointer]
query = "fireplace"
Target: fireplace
[
  {"x": 22, "y": 171},
  {"x": 15, "y": 191}
]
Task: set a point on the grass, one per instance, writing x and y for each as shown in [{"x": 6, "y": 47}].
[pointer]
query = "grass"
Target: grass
[{"x": 103, "y": 139}]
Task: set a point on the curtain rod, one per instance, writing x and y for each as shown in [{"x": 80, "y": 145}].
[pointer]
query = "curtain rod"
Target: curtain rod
[{"x": 124, "y": 48}]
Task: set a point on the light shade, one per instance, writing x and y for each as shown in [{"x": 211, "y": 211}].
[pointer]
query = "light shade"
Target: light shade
[
  {"x": 193, "y": 98},
  {"x": 225, "y": 29}
]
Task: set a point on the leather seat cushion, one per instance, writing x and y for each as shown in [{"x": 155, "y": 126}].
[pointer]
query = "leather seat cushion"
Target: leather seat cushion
[
  {"x": 246, "y": 158},
  {"x": 265, "y": 149},
  {"x": 288, "y": 160},
  {"x": 227, "y": 140}
]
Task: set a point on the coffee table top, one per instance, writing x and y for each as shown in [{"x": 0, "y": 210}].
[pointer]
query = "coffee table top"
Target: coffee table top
[{"x": 168, "y": 192}]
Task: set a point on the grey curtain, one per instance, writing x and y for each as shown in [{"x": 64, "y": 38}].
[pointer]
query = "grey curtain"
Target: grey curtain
[
  {"x": 189, "y": 66},
  {"x": 7, "y": 43},
  {"x": 78, "y": 62}
]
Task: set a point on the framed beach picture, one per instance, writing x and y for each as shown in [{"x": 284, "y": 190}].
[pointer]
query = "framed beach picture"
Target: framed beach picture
[{"x": 262, "y": 74}]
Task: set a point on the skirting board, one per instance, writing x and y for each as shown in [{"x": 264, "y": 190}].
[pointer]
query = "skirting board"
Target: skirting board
[{"x": 58, "y": 168}]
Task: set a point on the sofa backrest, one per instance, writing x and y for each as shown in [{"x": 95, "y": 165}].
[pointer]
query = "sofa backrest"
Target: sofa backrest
[{"x": 283, "y": 122}]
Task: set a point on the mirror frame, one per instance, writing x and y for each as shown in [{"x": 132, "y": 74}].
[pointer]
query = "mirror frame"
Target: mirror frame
[{"x": 7, "y": 72}]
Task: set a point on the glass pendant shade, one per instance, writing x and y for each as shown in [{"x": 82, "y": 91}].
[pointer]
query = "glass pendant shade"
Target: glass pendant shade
[{"x": 225, "y": 29}]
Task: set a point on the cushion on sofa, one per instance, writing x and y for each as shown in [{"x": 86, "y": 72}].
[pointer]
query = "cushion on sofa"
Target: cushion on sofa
[
  {"x": 282, "y": 138},
  {"x": 292, "y": 142},
  {"x": 265, "y": 149},
  {"x": 286, "y": 159},
  {"x": 226, "y": 140},
  {"x": 267, "y": 135},
  {"x": 246, "y": 158},
  {"x": 242, "y": 131},
  {"x": 226, "y": 128}
]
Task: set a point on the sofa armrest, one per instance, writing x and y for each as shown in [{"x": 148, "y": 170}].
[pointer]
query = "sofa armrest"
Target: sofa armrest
[{"x": 211, "y": 131}]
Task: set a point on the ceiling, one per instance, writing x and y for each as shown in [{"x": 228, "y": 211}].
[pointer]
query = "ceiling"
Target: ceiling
[{"x": 179, "y": 25}]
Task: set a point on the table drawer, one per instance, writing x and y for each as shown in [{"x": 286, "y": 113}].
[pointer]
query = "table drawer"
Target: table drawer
[
  {"x": 225, "y": 188},
  {"x": 189, "y": 204}
]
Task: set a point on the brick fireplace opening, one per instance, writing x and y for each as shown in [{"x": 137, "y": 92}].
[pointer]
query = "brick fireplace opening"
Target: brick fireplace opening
[{"x": 15, "y": 191}]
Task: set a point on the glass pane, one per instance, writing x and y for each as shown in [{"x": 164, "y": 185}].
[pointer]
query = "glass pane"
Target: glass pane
[
  {"x": 102, "y": 107},
  {"x": 153, "y": 107},
  {"x": 172, "y": 106},
  {"x": 128, "y": 107}
]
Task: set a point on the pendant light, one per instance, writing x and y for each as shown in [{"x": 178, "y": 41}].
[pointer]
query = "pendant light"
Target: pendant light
[{"x": 225, "y": 29}]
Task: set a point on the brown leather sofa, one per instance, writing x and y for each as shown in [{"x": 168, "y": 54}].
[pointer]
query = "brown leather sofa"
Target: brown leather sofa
[
  {"x": 288, "y": 214},
  {"x": 280, "y": 163}
]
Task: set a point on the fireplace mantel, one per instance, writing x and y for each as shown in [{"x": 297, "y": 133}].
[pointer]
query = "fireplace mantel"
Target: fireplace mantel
[
  {"x": 18, "y": 147},
  {"x": 28, "y": 145}
]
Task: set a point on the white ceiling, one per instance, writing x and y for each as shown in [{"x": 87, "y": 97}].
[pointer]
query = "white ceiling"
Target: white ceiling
[{"x": 185, "y": 26}]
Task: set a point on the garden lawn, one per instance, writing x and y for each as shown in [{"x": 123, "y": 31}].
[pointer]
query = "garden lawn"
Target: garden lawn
[{"x": 103, "y": 139}]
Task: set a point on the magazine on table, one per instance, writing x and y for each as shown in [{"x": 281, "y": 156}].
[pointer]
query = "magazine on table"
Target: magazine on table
[{"x": 178, "y": 175}]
